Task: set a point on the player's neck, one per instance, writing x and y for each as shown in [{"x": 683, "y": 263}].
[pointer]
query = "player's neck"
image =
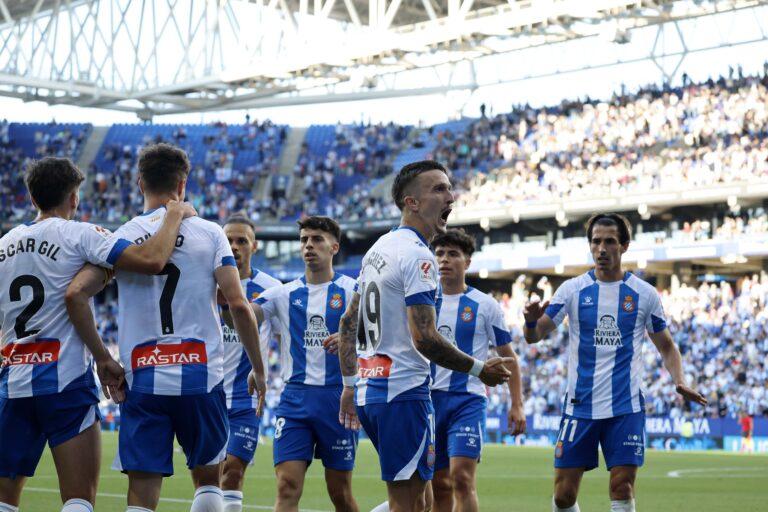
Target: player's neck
[
  {"x": 418, "y": 224},
  {"x": 61, "y": 213},
  {"x": 319, "y": 276},
  {"x": 153, "y": 202},
  {"x": 609, "y": 276},
  {"x": 245, "y": 272},
  {"x": 453, "y": 286}
]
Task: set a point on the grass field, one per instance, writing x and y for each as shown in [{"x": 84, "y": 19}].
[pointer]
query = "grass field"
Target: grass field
[{"x": 509, "y": 479}]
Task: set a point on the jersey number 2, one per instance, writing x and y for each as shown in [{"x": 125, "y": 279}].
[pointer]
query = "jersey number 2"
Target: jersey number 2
[
  {"x": 166, "y": 297},
  {"x": 38, "y": 298}
]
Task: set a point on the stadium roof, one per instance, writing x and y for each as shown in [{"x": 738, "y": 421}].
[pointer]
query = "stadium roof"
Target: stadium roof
[{"x": 176, "y": 56}]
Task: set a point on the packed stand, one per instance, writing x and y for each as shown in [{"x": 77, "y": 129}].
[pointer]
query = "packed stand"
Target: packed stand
[
  {"x": 22, "y": 143},
  {"x": 228, "y": 162},
  {"x": 658, "y": 139}
]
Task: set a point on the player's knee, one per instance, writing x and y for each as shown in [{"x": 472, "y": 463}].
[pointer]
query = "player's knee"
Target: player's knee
[
  {"x": 441, "y": 485},
  {"x": 463, "y": 483},
  {"x": 621, "y": 489},
  {"x": 565, "y": 496},
  {"x": 288, "y": 488},
  {"x": 232, "y": 476}
]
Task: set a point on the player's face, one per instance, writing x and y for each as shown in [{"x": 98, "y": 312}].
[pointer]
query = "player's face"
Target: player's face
[
  {"x": 435, "y": 200},
  {"x": 606, "y": 248},
  {"x": 452, "y": 262},
  {"x": 317, "y": 248},
  {"x": 242, "y": 242}
]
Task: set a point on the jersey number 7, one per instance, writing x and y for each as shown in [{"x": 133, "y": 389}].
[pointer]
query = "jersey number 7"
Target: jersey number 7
[{"x": 166, "y": 297}]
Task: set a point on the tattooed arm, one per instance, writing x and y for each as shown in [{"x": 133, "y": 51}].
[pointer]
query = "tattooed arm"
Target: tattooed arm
[
  {"x": 433, "y": 346},
  {"x": 348, "y": 362}
]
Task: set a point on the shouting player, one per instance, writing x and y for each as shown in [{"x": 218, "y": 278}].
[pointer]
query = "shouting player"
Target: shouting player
[
  {"x": 609, "y": 312},
  {"x": 472, "y": 321},
  {"x": 307, "y": 313},
  {"x": 397, "y": 337},
  {"x": 241, "y": 406},
  {"x": 47, "y": 390},
  {"x": 171, "y": 343}
]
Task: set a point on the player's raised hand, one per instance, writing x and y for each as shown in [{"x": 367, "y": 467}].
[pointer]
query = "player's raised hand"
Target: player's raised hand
[
  {"x": 348, "y": 411},
  {"x": 534, "y": 309},
  {"x": 516, "y": 420},
  {"x": 257, "y": 384},
  {"x": 185, "y": 209},
  {"x": 112, "y": 378},
  {"x": 495, "y": 372},
  {"x": 331, "y": 343},
  {"x": 691, "y": 395}
]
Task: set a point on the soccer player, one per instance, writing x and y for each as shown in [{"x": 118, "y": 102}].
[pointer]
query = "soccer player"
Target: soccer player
[
  {"x": 307, "y": 313},
  {"x": 47, "y": 389},
  {"x": 241, "y": 406},
  {"x": 171, "y": 343},
  {"x": 472, "y": 321},
  {"x": 397, "y": 337},
  {"x": 609, "y": 312}
]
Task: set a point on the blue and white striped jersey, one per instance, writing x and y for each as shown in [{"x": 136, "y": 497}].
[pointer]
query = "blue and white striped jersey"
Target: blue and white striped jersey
[
  {"x": 169, "y": 330},
  {"x": 307, "y": 314},
  {"x": 472, "y": 321},
  {"x": 236, "y": 362},
  {"x": 607, "y": 323}
]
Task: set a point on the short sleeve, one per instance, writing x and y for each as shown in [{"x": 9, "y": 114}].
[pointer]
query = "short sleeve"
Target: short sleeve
[
  {"x": 557, "y": 308},
  {"x": 656, "y": 321},
  {"x": 268, "y": 302},
  {"x": 496, "y": 326},
  {"x": 419, "y": 272},
  {"x": 100, "y": 246},
  {"x": 223, "y": 254}
]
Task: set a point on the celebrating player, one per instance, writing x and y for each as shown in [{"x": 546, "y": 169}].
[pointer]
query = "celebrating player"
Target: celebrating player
[
  {"x": 171, "y": 343},
  {"x": 241, "y": 406},
  {"x": 471, "y": 320},
  {"x": 47, "y": 390},
  {"x": 307, "y": 312},
  {"x": 609, "y": 312},
  {"x": 397, "y": 337}
]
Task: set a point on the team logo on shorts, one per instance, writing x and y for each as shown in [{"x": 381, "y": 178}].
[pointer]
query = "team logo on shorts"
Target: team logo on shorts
[
  {"x": 559, "y": 449},
  {"x": 431, "y": 455},
  {"x": 629, "y": 304},
  {"x": 467, "y": 315},
  {"x": 336, "y": 301}
]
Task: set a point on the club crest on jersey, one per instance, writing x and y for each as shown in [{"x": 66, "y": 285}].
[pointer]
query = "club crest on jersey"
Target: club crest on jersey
[
  {"x": 467, "y": 315},
  {"x": 39, "y": 352},
  {"x": 186, "y": 352},
  {"x": 607, "y": 333},
  {"x": 629, "y": 304},
  {"x": 336, "y": 301},
  {"x": 255, "y": 295},
  {"x": 425, "y": 271},
  {"x": 316, "y": 332}
]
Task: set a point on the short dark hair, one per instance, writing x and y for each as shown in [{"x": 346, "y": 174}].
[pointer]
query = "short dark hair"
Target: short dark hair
[
  {"x": 408, "y": 174},
  {"x": 456, "y": 237},
  {"x": 611, "y": 219},
  {"x": 239, "y": 218},
  {"x": 50, "y": 180},
  {"x": 326, "y": 224},
  {"x": 162, "y": 167}
]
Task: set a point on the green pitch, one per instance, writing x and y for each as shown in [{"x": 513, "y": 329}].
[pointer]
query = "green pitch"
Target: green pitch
[{"x": 509, "y": 479}]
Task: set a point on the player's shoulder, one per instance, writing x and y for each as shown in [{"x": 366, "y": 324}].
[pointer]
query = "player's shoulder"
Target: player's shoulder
[
  {"x": 639, "y": 285},
  {"x": 200, "y": 224},
  {"x": 578, "y": 283},
  {"x": 345, "y": 281},
  {"x": 481, "y": 298},
  {"x": 265, "y": 280}
]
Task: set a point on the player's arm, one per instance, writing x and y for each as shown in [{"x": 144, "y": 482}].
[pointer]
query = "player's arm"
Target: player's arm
[
  {"x": 244, "y": 322},
  {"x": 348, "y": 362},
  {"x": 87, "y": 283},
  {"x": 258, "y": 311},
  {"x": 673, "y": 362},
  {"x": 516, "y": 414},
  {"x": 433, "y": 346},
  {"x": 151, "y": 256},
  {"x": 537, "y": 323}
]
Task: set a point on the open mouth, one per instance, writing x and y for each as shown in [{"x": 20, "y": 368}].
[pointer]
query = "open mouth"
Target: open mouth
[{"x": 445, "y": 214}]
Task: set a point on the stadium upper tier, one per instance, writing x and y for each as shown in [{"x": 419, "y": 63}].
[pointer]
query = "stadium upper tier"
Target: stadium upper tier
[{"x": 701, "y": 143}]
